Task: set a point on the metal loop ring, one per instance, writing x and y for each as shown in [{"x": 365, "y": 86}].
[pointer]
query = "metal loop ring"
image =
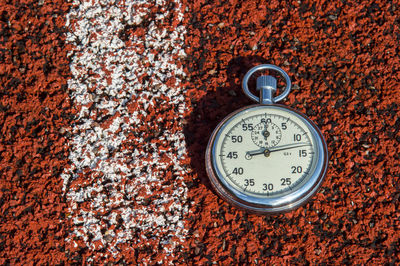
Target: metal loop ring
[{"x": 263, "y": 67}]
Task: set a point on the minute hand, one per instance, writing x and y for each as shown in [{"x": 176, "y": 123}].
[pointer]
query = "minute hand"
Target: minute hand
[{"x": 288, "y": 146}]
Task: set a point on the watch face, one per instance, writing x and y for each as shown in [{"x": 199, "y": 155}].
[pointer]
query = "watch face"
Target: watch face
[{"x": 266, "y": 158}]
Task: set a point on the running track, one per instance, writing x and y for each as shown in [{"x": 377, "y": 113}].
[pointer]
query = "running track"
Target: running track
[{"x": 106, "y": 108}]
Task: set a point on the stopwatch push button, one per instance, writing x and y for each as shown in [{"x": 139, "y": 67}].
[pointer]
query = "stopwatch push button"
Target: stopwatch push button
[{"x": 267, "y": 87}]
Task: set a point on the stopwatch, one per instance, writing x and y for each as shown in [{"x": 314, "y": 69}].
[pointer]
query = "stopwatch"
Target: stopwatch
[{"x": 266, "y": 158}]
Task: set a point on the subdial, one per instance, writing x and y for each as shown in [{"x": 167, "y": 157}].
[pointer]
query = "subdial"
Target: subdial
[{"x": 266, "y": 134}]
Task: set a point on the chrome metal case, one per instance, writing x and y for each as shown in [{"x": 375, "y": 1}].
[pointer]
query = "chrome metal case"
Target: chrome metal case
[{"x": 267, "y": 205}]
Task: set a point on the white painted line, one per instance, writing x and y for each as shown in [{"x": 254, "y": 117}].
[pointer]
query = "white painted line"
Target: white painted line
[{"x": 116, "y": 184}]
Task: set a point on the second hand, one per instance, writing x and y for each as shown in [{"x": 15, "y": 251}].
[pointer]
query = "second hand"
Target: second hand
[{"x": 267, "y": 151}]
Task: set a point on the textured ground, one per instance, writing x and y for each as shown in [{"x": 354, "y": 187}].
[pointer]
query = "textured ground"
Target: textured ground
[{"x": 106, "y": 108}]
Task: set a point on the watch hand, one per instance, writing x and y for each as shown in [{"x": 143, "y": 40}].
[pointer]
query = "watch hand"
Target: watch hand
[
  {"x": 279, "y": 148},
  {"x": 289, "y": 146},
  {"x": 256, "y": 152}
]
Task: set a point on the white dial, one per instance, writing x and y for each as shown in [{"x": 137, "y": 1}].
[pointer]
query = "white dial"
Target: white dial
[{"x": 266, "y": 153}]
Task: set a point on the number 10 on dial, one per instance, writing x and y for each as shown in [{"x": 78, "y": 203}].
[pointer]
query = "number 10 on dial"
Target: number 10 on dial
[{"x": 266, "y": 158}]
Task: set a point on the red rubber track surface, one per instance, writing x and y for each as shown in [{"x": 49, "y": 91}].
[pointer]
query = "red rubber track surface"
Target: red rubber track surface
[
  {"x": 343, "y": 59},
  {"x": 34, "y": 115},
  {"x": 344, "y": 62}
]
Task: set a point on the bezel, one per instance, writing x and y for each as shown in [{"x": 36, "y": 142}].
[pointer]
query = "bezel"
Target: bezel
[{"x": 268, "y": 205}]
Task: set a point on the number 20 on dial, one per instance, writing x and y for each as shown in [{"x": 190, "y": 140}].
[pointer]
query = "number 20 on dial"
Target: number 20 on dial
[{"x": 266, "y": 158}]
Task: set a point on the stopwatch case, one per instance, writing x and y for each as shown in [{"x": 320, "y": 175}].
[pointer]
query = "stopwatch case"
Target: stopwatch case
[{"x": 270, "y": 205}]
